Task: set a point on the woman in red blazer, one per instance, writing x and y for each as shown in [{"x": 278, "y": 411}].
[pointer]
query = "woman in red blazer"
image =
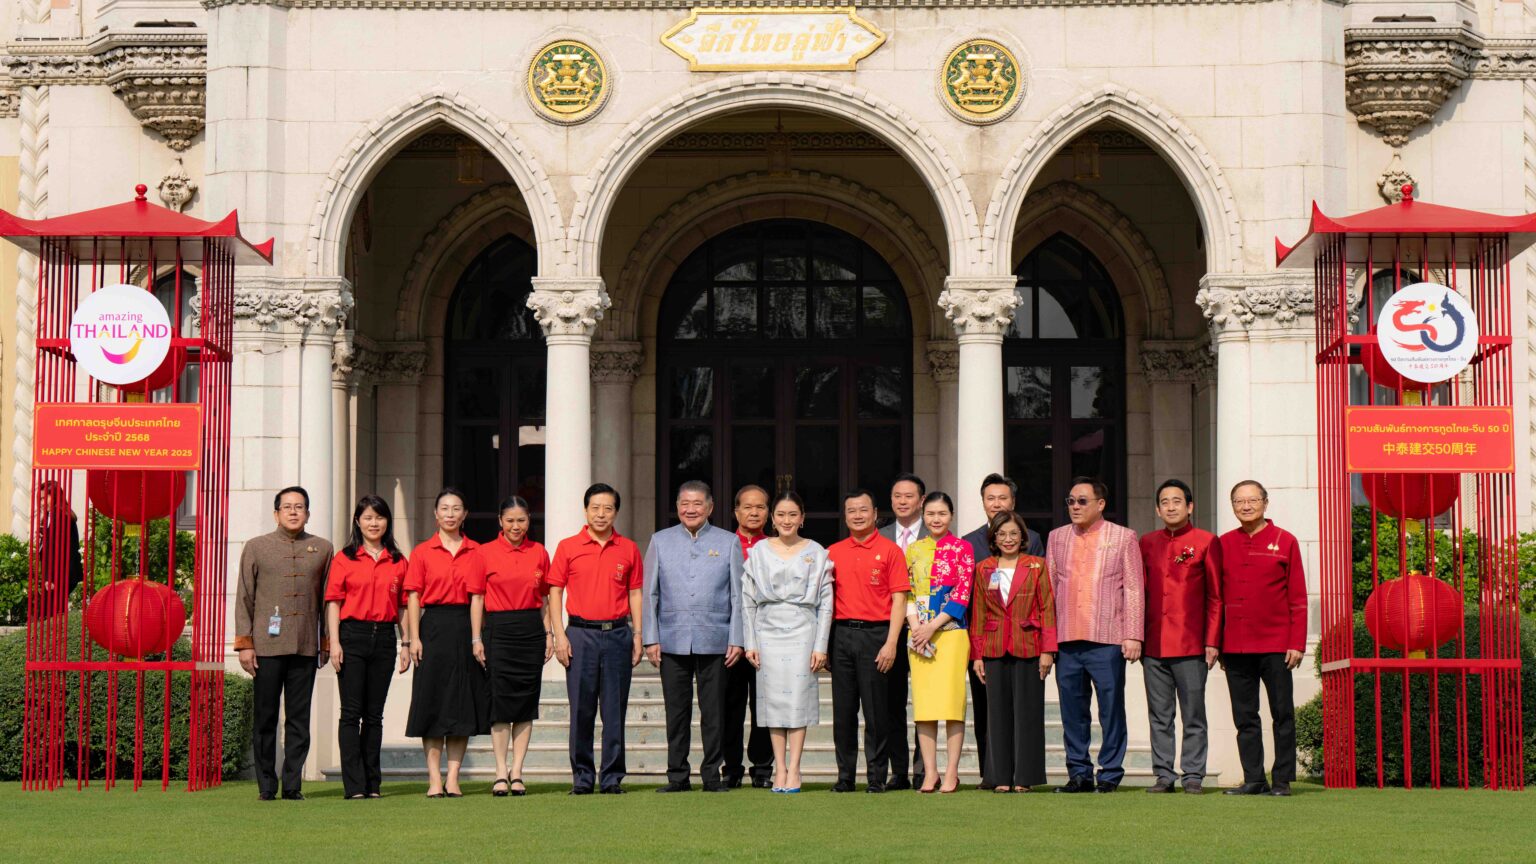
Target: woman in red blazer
[{"x": 1013, "y": 644}]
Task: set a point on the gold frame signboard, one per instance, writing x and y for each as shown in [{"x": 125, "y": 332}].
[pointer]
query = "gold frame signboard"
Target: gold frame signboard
[{"x": 780, "y": 38}]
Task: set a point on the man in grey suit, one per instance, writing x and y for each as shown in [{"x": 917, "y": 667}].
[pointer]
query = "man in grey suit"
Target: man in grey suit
[
  {"x": 691, "y": 629},
  {"x": 907, "y": 528}
]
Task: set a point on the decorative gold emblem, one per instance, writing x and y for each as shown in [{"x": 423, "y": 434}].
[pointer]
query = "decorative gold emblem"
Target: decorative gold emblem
[
  {"x": 981, "y": 81},
  {"x": 567, "y": 81}
]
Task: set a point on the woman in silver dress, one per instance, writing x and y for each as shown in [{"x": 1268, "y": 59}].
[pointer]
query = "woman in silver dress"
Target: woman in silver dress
[{"x": 786, "y": 594}]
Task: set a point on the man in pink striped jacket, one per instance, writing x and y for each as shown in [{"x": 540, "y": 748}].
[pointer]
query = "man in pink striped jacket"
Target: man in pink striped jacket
[{"x": 1096, "y": 574}]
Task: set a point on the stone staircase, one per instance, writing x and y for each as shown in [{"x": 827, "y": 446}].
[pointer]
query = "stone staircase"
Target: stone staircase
[{"x": 646, "y": 743}]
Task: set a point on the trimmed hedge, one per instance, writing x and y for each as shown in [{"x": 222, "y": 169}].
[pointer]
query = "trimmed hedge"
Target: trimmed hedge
[
  {"x": 237, "y": 715},
  {"x": 1309, "y": 717}
]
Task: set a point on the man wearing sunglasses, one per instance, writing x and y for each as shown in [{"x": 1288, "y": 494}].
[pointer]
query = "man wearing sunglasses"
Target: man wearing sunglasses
[{"x": 1096, "y": 573}]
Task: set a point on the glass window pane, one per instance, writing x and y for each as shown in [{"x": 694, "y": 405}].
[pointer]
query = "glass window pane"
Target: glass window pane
[
  {"x": 816, "y": 393},
  {"x": 693, "y": 456},
  {"x": 879, "y": 456},
  {"x": 818, "y": 467},
  {"x": 752, "y": 459},
  {"x": 476, "y": 464},
  {"x": 880, "y": 392},
  {"x": 1023, "y": 325},
  {"x": 825, "y": 530},
  {"x": 1028, "y": 456},
  {"x": 530, "y": 392},
  {"x": 476, "y": 393},
  {"x": 752, "y": 391},
  {"x": 734, "y": 256},
  {"x": 694, "y": 324},
  {"x": 837, "y": 257},
  {"x": 1089, "y": 454},
  {"x": 491, "y": 301},
  {"x": 1027, "y": 392},
  {"x": 1058, "y": 313},
  {"x": 835, "y": 310},
  {"x": 1091, "y": 393},
  {"x": 786, "y": 313},
  {"x": 1057, "y": 260},
  {"x": 530, "y": 467},
  {"x": 735, "y": 310},
  {"x": 693, "y": 392},
  {"x": 882, "y": 315},
  {"x": 784, "y": 257}
]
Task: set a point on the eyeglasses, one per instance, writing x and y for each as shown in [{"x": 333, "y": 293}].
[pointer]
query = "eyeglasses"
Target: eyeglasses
[
  {"x": 1247, "y": 502},
  {"x": 292, "y": 508},
  {"x": 1081, "y": 502}
]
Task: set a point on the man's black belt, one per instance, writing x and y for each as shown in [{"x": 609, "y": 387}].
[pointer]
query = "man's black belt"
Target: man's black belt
[
  {"x": 584, "y": 624},
  {"x": 861, "y": 625}
]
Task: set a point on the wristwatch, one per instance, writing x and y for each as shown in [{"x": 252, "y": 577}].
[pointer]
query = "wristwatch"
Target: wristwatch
[{"x": 405, "y": 643}]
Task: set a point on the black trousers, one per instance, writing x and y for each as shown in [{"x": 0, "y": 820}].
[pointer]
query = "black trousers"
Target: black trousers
[
  {"x": 741, "y": 694},
  {"x": 289, "y": 680},
  {"x": 368, "y": 658},
  {"x": 1244, "y": 673},
  {"x": 979, "y": 719},
  {"x": 1016, "y": 724},
  {"x": 679, "y": 672},
  {"x": 856, "y": 684}
]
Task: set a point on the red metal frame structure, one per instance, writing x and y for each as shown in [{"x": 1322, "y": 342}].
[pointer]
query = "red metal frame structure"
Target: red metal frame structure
[
  {"x": 1469, "y": 252},
  {"x": 134, "y": 242}
]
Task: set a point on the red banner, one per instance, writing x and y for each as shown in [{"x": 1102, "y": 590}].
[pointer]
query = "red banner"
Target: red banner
[
  {"x": 1400, "y": 439},
  {"x": 143, "y": 436}
]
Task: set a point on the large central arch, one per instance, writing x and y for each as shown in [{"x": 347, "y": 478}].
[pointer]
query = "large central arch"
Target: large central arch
[{"x": 762, "y": 90}]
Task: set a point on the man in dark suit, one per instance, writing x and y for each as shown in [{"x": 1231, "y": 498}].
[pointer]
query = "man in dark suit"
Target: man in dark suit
[
  {"x": 904, "y": 530},
  {"x": 998, "y": 494}
]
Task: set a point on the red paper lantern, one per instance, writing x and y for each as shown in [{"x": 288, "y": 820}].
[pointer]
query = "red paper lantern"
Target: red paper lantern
[
  {"x": 136, "y": 617},
  {"x": 165, "y": 374},
  {"x": 1413, "y": 614},
  {"x": 1412, "y": 496},
  {"x": 1382, "y": 374},
  {"x": 136, "y": 496}
]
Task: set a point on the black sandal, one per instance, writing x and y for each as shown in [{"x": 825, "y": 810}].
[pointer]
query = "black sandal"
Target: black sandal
[
  {"x": 518, "y": 793},
  {"x": 500, "y": 793}
]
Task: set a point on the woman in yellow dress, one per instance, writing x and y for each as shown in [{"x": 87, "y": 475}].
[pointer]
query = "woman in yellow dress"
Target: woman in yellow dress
[{"x": 942, "y": 567}]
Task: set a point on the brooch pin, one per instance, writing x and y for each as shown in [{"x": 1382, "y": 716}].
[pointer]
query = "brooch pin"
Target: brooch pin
[
  {"x": 1273, "y": 547},
  {"x": 1034, "y": 565},
  {"x": 310, "y": 549},
  {"x": 809, "y": 559},
  {"x": 714, "y": 553},
  {"x": 1188, "y": 553},
  {"x": 877, "y": 556}
]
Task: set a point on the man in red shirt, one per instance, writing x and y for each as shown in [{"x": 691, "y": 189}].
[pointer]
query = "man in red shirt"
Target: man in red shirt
[
  {"x": 869, "y": 608},
  {"x": 1183, "y": 633},
  {"x": 1264, "y": 634},
  {"x": 751, "y": 512},
  {"x": 599, "y": 574}
]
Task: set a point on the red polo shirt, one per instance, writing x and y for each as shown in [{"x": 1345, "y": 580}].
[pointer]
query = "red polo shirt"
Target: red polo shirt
[
  {"x": 514, "y": 575},
  {"x": 1263, "y": 592},
  {"x": 444, "y": 579},
  {"x": 367, "y": 589},
  {"x": 1183, "y": 591},
  {"x": 865, "y": 575},
  {"x": 748, "y": 541},
  {"x": 597, "y": 577}
]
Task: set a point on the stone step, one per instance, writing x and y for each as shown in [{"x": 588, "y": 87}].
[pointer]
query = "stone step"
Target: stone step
[{"x": 557, "y": 709}]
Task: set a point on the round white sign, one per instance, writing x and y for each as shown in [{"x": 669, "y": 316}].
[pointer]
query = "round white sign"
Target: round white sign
[
  {"x": 120, "y": 334},
  {"x": 1427, "y": 332}
]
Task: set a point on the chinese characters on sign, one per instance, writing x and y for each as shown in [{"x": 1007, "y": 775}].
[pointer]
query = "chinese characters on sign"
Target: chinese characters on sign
[
  {"x": 1427, "y": 332},
  {"x": 1403, "y": 439},
  {"x": 118, "y": 436}
]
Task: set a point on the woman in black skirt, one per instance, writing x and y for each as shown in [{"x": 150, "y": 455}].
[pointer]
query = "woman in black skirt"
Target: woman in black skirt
[
  {"x": 450, "y": 697},
  {"x": 518, "y": 643}
]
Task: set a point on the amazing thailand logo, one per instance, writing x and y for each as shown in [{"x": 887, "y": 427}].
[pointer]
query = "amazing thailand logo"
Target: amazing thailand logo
[
  {"x": 120, "y": 334},
  {"x": 1427, "y": 332}
]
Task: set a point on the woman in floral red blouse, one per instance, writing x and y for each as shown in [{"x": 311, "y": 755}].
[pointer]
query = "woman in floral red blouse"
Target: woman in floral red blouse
[{"x": 941, "y": 566}]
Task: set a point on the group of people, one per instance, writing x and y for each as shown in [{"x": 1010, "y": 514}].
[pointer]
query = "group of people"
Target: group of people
[{"x": 750, "y": 617}]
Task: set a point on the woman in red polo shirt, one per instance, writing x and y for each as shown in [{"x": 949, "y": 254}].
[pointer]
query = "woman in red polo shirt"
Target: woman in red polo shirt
[
  {"x": 518, "y": 643},
  {"x": 450, "y": 697},
  {"x": 362, "y": 606}
]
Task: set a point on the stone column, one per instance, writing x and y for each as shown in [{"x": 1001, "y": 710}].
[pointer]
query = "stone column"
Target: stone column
[
  {"x": 944, "y": 368},
  {"x": 323, "y": 313},
  {"x": 568, "y": 309},
  {"x": 615, "y": 365},
  {"x": 1221, "y": 301},
  {"x": 1173, "y": 369},
  {"x": 397, "y": 369},
  {"x": 980, "y": 308},
  {"x": 343, "y": 386}
]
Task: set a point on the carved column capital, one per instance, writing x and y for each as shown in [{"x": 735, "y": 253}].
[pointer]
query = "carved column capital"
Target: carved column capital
[
  {"x": 321, "y": 306},
  {"x": 944, "y": 361},
  {"x": 568, "y": 306},
  {"x": 1274, "y": 301},
  {"x": 616, "y": 362},
  {"x": 979, "y": 305},
  {"x": 1177, "y": 361}
]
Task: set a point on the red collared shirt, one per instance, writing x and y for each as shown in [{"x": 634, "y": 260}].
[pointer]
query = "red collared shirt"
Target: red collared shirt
[
  {"x": 865, "y": 576},
  {"x": 748, "y": 541},
  {"x": 443, "y": 579},
  {"x": 367, "y": 589},
  {"x": 1263, "y": 592},
  {"x": 514, "y": 575},
  {"x": 1183, "y": 570},
  {"x": 597, "y": 577}
]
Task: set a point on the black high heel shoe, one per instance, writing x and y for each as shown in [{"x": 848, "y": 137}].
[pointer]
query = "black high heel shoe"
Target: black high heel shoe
[{"x": 517, "y": 793}]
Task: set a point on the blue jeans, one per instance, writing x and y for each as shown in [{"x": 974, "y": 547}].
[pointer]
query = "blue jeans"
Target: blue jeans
[
  {"x": 1085, "y": 669},
  {"x": 599, "y": 676}
]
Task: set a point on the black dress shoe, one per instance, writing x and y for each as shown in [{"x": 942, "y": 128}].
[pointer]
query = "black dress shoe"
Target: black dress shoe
[
  {"x": 842, "y": 786},
  {"x": 900, "y": 784},
  {"x": 293, "y": 796},
  {"x": 266, "y": 796},
  {"x": 875, "y": 788},
  {"x": 762, "y": 783},
  {"x": 985, "y": 786},
  {"x": 1259, "y": 788},
  {"x": 1105, "y": 788},
  {"x": 1161, "y": 786},
  {"x": 1193, "y": 787},
  {"x": 580, "y": 790},
  {"x": 733, "y": 783},
  {"x": 1281, "y": 790},
  {"x": 674, "y": 786},
  {"x": 612, "y": 790},
  {"x": 1076, "y": 785},
  {"x": 716, "y": 787}
]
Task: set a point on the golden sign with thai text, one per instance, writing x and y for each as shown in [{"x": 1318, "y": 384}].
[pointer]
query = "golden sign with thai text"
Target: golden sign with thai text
[{"x": 735, "y": 39}]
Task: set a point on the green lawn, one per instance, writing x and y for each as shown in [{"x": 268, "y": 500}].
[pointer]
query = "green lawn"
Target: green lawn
[{"x": 229, "y": 824}]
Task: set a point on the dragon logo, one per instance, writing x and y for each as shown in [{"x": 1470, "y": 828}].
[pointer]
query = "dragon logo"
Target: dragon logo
[{"x": 1427, "y": 332}]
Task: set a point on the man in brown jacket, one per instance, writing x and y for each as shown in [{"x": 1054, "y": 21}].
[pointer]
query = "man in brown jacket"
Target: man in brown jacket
[{"x": 278, "y": 624}]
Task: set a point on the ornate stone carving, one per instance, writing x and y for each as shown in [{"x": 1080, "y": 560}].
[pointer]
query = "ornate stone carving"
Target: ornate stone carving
[
  {"x": 981, "y": 81},
  {"x": 388, "y": 363},
  {"x": 52, "y": 62},
  {"x": 579, "y": 5},
  {"x": 268, "y": 308},
  {"x": 1268, "y": 300},
  {"x": 345, "y": 355},
  {"x": 568, "y": 307},
  {"x": 177, "y": 188},
  {"x": 944, "y": 361},
  {"x": 616, "y": 362},
  {"x": 1396, "y": 78},
  {"x": 161, "y": 77},
  {"x": 10, "y": 97},
  {"x": 1392, "y": 180},
  {"x": 32, "y": 192},
  {"x": 1178, "y": 362},
  {"x": 979, "y": 305}
]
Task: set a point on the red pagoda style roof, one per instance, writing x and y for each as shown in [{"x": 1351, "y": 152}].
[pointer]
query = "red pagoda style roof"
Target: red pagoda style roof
[
  {"x": 136, "y": 220},
  {"x": 1408, "y": 219}
]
